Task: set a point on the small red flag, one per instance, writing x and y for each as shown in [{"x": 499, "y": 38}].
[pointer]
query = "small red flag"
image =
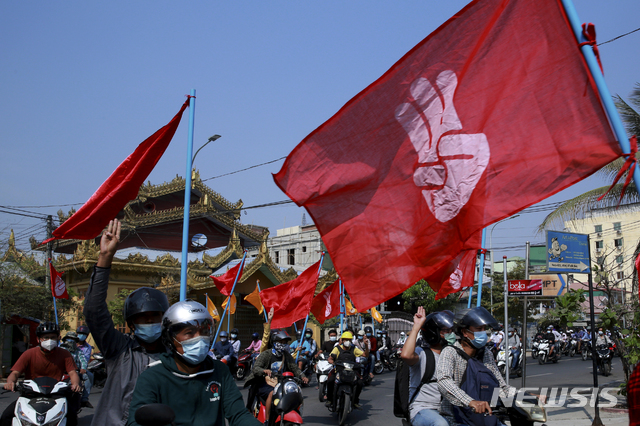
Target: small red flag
[
  {"x": 224, "y": 282},
  {"x": 58, "y": 286},
  {"x": 291, "y": 301},
  {"x": 461, "y": 277},
  {"x": 327, "y": 303},
  {"x": 119, "y": 188},
  {"x": 477, "y": 122}
]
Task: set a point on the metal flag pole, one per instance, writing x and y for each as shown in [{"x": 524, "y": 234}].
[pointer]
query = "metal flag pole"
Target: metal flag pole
[
  {"x": 55, "y": 309},
  {"x": 342, "y": 307},
  {"x": 264, "y": 311},
  {"x": 603, "y": 90},
  {"x": 187, "y": 199},
  {"x": 470, "y": 296},
  {"x": 524, "y": 322},
  {"x": 244, "y": 256},
  {"x": 481, "y": 266},
  {"x": 506, "y": 314},
  {"x": 304, "y": 328}
]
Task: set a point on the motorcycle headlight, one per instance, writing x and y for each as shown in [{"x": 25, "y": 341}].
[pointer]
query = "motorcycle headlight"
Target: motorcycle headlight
[
  {"x": 535, "y": 412},
  {"x": 22, "y": 416},
  {"x": 55, "y": 420}
]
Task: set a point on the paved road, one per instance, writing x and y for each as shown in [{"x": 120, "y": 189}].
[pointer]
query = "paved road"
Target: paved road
[{"x": 377, "y": 399}]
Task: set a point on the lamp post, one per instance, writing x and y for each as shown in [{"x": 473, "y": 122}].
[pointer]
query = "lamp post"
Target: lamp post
[
  {"x": 211, "y": 139},
  {"x": 491, "y": 252}
]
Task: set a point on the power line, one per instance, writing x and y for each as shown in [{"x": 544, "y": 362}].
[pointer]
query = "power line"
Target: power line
[
  {"x": 620, "y": 36},
  {"x": 242, "y": 170}
]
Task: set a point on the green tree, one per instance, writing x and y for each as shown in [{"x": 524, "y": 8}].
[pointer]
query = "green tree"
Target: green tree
[
  {"x": 567, "y": 309},
  {"x": 116, "y": 306},
  {"x": 421, "y": 294},
  {"x": 515, "y": 304}
]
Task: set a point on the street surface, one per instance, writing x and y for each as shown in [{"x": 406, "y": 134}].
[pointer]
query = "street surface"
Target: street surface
[{"x": 377, "y": 399}]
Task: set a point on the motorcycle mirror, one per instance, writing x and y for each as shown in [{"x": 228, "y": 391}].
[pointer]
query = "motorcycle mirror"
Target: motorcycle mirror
[{"x": 155, "y": 415}]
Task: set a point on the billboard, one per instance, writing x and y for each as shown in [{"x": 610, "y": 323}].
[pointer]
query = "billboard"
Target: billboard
[
  {"x": 525, "y": 287},
  {"x": 552, "y": 284}
]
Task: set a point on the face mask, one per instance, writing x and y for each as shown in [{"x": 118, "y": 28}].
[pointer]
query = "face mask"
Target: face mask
[
  {"x": 479, "y": 339},
  {"x": 82, "y": 337},
  {"x": 279, "y": 348},
  {"x": 195, "y": 349},
  {"x": 347, "y": 343},
  {"x": 360, "y": 337},
  {"x": 450, "y": 338},
  {"x": 333, "y": 338},
  {"x": 510, "y": 334},
  {"x": 233, "y": 336},
  {"x": 308, "y": 336},
  {"x": 48, "y": 345},
  {"x": 148, "y": 332},
  {"x": 223, "y": 339},
  {"x": 368, "y": 334},
  {"x": 600, "y": 333}
]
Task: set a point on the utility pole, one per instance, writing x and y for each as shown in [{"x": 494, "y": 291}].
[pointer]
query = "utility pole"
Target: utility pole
[{"x": 49, "y": 253}]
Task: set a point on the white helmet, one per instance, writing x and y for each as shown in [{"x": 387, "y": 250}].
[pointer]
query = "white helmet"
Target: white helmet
[
  {"x": 184, "y": 314},
  {"x": 402, "y": 334}
]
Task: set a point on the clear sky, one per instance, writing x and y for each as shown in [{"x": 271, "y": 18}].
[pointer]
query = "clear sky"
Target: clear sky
[{"x": 83, "y": 83}]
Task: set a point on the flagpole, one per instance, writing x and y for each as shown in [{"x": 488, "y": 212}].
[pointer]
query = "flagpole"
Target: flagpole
[
  {"x": 481, "y": 267},
  {"x": 264, "y": 311},
  {"x": 52, "y": 279},
  {"x": 605, "y": 95},
  {"x": 341, "y": 304},
  {"x": 307, "y": 318},
  {"x": 470, "y": 296},
  {"x": 244, "y": 256},
  {"x": 187, "y": 198}
]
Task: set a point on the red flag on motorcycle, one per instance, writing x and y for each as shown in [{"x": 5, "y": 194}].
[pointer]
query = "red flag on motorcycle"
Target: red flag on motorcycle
[
  {"x": 327, "y": 303},
  {"x": 491, "y": 113},
  {"x": 291, "y": 301}
]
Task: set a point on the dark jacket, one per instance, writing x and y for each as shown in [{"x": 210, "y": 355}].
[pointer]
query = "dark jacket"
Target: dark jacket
[
  {"x": 205, "y": 398},
  {"x": 221, "y": 349},
  {"x": 263, "y": 362},
  {"x": 125, "y": 359}
]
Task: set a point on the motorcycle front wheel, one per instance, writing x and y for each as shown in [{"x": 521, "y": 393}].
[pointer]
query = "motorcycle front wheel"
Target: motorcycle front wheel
[
  {"x": 321, "y": 391},
  {"x": 607, "y": 369},
  {"x": 240, "y": 372},
  {"x": 534, "y": 354},
  {"x": 344, "y": 409},
  {"x": 393, "y": 362},
  {"x": 541, "y": 359},
  {"x": 584, "y": 355},
  {"x": 379, "y": 368}
]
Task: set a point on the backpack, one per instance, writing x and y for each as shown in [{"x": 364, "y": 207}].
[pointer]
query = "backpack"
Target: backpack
[
  {"x": 478, "y": 382},
  {"x": 401, "y": 397}
]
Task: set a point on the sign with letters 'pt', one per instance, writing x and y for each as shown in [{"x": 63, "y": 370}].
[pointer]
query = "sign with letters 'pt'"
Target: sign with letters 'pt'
[
  {"x": 525, "y": 288},
  {"x": 568, "y": 252}
]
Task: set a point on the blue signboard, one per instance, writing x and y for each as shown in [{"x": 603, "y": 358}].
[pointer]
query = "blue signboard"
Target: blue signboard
[{"x": 568, "y": 252}]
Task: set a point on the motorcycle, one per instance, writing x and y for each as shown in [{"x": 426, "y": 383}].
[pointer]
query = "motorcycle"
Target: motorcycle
[
  {"x": 586, "y": 349},
  {"x": 244, "y": 364},
  {"x": 42, "y": 401},
  {"x": 569, "y": 348},
  {"x": 323, "y": 368},
  {"x": 98, "y": 367},
  {"x": 388, "y": 359},
  {"x": 604, "y": 353},
  {"x": 502, "y": 363},
  {"x": 345, "y": 386},
  {"x": 544, "y": 347},
  {"x": 287, "y": 402},
  {"x": 523, "y": 412}
]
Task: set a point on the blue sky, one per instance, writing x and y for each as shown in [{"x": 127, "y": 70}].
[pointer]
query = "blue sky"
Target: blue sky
[{"x": 83, "y": 83}]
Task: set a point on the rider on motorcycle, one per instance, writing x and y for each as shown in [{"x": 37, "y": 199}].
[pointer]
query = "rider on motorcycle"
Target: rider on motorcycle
[
  {"x": 602, "y": 338},
  {"x": 254, "y": 347},
  {"x": 436, "y": 329},
  {"x": 70, "y": 343},
  {"x": 368, "y": 331},
  {"x": 235, "y": 342},
  {"x": 345, "y": 351},
  {"x": 269, "y": 364},
  {"x": 328, "y": 345},
  {"x": 200, "y": 390},
  {"x": 513, "y": 345},
  {"x": 551, "y": 337},
  {"x": 223, "y": 349},
  {"x": 308, "y": 349}
]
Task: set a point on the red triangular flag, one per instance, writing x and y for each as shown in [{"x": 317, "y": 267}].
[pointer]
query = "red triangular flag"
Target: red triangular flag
[
  {"x": 327, "y": 303},
  {"x": 224, "y": 282},
  {"x": 58, "y": 286},
  {"x": 477, "y": 122},
  {"x": 291, "y": 301},
  {"x": 119, "y": 188},
  {"x": 461, "y": 277}
]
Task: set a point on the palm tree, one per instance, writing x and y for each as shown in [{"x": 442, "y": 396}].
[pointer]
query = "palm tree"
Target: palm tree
[{"x": 578, "y": 206}]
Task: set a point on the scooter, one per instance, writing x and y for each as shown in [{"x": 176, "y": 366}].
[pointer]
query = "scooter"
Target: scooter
[
  {"x": 287, "y": 402},
  {"x": 586, "y": 349},
  {"x": 544, "y": 347},
  {"x": 99, "y": 370},
  {"x": 345, "y": 386},
  {"x": 42, "y": 401},
  {"x": 605, "y": 353},
  {"x": 323, "y": 368},
  {"x": 570, "y": 347},
  {"x": 502, "y": 363},
  {"x": 244, "y": 364}
]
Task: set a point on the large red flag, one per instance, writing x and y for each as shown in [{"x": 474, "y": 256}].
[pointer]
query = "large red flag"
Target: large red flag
[
  {"x": 327, "y": 303},
  {"x": 291, "y": 301},
  {"x": 58, "y": 286},
  {"x": 224, "y": 282},
  {"x": 491, "y": 113},
  {"x": 119, "y": 188}
]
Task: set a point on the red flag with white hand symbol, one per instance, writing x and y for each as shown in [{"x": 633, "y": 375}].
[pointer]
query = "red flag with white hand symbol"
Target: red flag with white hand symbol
[
  {"x": 58, "y": 286},
  {"x": 491, "y": 113}
]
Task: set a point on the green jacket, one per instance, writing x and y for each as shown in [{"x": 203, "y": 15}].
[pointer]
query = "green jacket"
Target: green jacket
[{"x": 203, "y": 398}]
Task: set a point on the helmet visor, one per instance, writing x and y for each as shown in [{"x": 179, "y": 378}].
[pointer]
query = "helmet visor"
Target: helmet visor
[{"x": 203, "y": 327}]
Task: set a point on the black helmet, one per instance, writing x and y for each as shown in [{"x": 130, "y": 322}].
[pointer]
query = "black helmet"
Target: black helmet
[
  {"x": 145, "y": 299},
  {"x": 235, "y": 331},
  {"x": 72, "y": 336},
  {"x": 47, "y": 328},
  {"x": 435, "y": 322},
  {"x": 280, "y": 335},
  {"x": 308, "y": 331},
  {"x": 224, "y": 334},
  {"x": 83, "y": 329},
  {"x": 474, "y": 317},
  {"x": 298, "y": 334},
  {"x": 255, "y": 335},
  {"x": 368, "y": 329}
]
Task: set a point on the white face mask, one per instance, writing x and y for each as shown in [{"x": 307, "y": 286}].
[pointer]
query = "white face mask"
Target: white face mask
[
  {"x": 48, "y": 345},
  {"x": 346, "y": 343}
]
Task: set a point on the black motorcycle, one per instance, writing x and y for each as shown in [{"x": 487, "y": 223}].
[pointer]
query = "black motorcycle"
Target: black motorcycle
[
  {"x": 345, "y": 387},
  {"x": 98, "y": 367},
  {"x": 604, "y": 353},
  {"x": 585, "y": 350}
]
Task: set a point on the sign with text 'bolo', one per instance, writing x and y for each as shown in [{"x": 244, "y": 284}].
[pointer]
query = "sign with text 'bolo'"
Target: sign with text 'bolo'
[{"x": 525, "y": 288}]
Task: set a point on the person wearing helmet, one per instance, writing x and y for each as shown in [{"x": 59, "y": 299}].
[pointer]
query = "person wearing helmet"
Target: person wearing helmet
[
  {"x": 254, "y": 347},
  {"x": 295, "y": 346},
  {"x": 373, "y": 350},
  {"x": 126, "y": 355},
  {"x": 553, "y": 340},
  {"x": 200, "y": 390},
  {"x": 470, "y": 326},
  {"x": 402, "y": 339},
  {"x": 70, "y": 343},
  {"x": 308, "y": 349},
  {"x": 223, "y": 349},
  {"x": 424, "y": 396},
  {"x": 235, "y": 342},
  {"x": 345, "y": 352},
  {"x": 84, "y": 347},
  {"x": 513, "y": 345},
  {"x": 272, "y": 363},
  {"x": 46, "y": 360}
]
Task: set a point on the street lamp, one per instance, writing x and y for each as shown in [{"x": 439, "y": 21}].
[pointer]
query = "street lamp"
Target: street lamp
[
  {"x": 491, "y": 252},
  {"x": 211, "y": 139}
]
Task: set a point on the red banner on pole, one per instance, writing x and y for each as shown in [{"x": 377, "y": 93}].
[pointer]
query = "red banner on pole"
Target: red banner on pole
[{"x": 58, "y": 286}]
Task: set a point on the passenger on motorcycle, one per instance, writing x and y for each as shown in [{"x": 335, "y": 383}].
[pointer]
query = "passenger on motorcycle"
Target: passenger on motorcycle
[
  {"x": 602, "y": 338},
  {"x": 46, "y": 360},
  {"x": 553, "y": 341},
  {"x": 270, "y": 364},
  {"x": 235, "y": 342},
  {"x": 254, "y": 347},
  {"x": 70, "y": 343},
  {"x": 471, "y": 326},
  {"x": 84, "y": 347},
  {"x": 200, "y": 390},
  {"x": 126, "y": 356},
  {"x": 308, "y": 349},
  {"x": 223, "y": 349},
  {"x": 368, "y": 331},
  {"x": 345, "y": 352},
  {"x": 383, "y": 345},
  {"x": 328, "y": 345},
  {"x": 425, "y": 398},
  {"x": 513, "y": 345}
]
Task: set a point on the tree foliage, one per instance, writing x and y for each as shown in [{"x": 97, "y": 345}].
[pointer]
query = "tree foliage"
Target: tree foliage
[
  {"x": 421, "y": 294},
  {"x": 116, "y": 306}
]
